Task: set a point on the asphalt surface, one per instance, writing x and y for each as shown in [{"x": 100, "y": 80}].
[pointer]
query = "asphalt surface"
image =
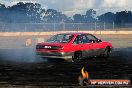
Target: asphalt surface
[{"x": 21, "y": 67}]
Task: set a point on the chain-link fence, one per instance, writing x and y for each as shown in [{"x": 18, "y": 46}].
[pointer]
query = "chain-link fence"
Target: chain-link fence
[
  {"x": 22, "y": 48},
  {"x": 46, "y": 27}
]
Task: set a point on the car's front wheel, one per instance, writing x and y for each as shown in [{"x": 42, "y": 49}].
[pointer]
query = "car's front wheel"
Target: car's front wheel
[
  {"x": 77, "y": 56},
  {"x": 106, "y": 52}
]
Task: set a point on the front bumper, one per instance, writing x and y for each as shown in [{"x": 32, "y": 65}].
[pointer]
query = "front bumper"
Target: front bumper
[{"x": 48, "y": 54}]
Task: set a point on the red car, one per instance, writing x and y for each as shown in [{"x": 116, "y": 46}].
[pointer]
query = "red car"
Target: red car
[{"x": 73, "y": 47}]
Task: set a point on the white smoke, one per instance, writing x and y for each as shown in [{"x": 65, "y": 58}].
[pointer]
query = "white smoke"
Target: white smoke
[
  {"x": 114, "y": 3},
  {"x": 13, "y": 2},
  {"x": 79, "y": 6},
  {"x": 83, "y": 4}
]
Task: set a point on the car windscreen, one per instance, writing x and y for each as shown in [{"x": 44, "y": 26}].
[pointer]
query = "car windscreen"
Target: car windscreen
[{"x": 60, "y": 38}]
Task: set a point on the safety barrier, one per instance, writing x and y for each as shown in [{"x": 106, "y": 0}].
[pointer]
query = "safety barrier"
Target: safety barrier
[{"x": 51, "y": 33}]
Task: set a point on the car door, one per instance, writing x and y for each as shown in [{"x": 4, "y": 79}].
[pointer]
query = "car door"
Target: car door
[
  {"x": 83, "y": 44},
  {"x": 96, "y": 45},
  {"x": 77, "y": 44}
]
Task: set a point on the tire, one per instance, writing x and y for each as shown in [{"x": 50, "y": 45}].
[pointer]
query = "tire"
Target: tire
[
  {"x": 106, "y": 52},
  {"x": 77, "y": 56}
]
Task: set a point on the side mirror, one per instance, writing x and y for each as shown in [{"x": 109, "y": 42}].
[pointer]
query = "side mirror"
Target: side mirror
[{"x": 98, "y": 40}]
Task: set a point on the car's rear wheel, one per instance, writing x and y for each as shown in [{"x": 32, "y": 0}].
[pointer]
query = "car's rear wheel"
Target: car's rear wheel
[{"x": 77, "y": 56}]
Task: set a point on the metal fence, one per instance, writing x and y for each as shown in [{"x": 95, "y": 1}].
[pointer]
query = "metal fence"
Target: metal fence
[{"x": 45, "y": 27}]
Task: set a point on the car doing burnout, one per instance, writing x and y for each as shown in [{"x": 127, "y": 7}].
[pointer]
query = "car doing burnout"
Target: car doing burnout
[{"x": 73, "y": 47}]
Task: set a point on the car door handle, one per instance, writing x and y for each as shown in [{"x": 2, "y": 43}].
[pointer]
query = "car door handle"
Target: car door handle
[{"x": 81, "y": 46}]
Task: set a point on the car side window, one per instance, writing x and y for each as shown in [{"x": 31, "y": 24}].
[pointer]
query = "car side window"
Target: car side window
[
  {"x": 84, "y": 39},
  {"x": 91, "y": 37},
  {"x": 77, "y": 40},
  {"x": 81, "y": 39}
]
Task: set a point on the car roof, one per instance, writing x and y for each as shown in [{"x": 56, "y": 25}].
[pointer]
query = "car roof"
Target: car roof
[{"x": 74, "y": 33}]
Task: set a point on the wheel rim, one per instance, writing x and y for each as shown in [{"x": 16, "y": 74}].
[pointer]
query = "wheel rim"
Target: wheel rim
[
  {"x": 77, "y": 57},
  {"x": 106, "y": 53}
]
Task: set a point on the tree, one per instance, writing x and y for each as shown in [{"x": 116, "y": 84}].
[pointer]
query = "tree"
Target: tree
[
  {"x": 90, "y": 16},
  {"x": 107, "y": 17},
  {"x": 2, "y": 12},
  {"x": 123, "y": 17},
  {"x": 87, "y": 18},
  {"x": 77, "y": 18}
]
